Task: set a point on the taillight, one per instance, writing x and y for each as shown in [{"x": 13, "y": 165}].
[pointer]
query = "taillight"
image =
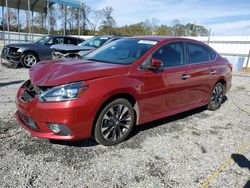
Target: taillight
[{"x": 230, "y": 66}]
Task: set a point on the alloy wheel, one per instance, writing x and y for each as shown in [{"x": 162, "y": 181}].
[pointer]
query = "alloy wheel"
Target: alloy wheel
[
  {"x": 217, "y": 96},
  {"x": 29, "y": 60},
  {"x": 116, "y": 122}
]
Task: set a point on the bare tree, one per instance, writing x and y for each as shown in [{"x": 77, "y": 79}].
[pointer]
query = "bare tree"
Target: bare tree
[
  {"x": 151, "y": 25},
  {"x": 12, "y": 18},
  {"x": 72, "y": 17},
  {"x": 84, "y": 17},
  {"x": 108, "y": 22},
  {"x": 52, "y": 17},
  {"x": 95, "y": 19}
]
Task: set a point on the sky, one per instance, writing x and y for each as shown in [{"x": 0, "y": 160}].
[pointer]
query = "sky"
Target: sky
[{"x": 224, "y": 17}]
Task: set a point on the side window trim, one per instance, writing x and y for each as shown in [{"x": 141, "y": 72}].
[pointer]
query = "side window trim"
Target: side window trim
[{"x": 202, "y": 62}]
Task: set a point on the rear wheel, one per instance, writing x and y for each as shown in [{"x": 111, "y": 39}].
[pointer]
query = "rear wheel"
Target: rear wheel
[
  {"x": 216, "y": 97},
  {"x": 114, "y": 123},
  {"x": 29, "y": 59}
]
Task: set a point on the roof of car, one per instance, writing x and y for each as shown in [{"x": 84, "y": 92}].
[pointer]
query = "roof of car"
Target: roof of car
[
  {"x": 158, "y": 38},
  {"x": 64, "y": 36},
  {"x": 108, "y": 36}
]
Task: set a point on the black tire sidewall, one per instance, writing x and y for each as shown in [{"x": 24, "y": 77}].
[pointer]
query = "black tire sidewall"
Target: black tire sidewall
[
  {"x": 97, "y": 131},
  {"x": 25, "y": 54},
  {"x": 209, "y": 106}
]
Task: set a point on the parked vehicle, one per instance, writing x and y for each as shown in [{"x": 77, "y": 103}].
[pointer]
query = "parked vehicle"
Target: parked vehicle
[
  {"x": 83, "y": 48},
  {"x": 28, "y": 54},
  {"x": 125, "y": 83}
]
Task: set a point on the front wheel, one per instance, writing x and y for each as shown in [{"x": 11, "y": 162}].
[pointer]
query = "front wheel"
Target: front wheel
[
  {"x": 29, "y": 59},
  {"x": 216, "y": 97},
  {"x": 114, "y": 123}
]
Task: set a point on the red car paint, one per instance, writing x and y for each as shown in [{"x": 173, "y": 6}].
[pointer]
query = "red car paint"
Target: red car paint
[{"x": 157, "y": 94}]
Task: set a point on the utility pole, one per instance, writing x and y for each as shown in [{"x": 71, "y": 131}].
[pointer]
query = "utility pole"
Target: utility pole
[
  {"x": 8, "y": 21},
  {"x": 209, "y": 34}
]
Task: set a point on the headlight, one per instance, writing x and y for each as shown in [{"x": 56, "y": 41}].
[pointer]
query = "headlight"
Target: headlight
[
  {"x": 20, "y": 50},
  {"x": 63, "y": 93}
]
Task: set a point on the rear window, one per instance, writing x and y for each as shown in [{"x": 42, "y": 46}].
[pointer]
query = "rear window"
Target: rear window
[
  {"x": 70, "y": 41},
  {"x": 199, "y": 53}
]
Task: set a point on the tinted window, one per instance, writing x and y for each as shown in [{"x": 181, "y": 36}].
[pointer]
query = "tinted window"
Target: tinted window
[
  {"x": 70, "y": 41},
  {"x": 212, "y": 55},
  {"x": 94, "y": 42},
  {"x": 42, "y": 40},
  {"x": 171, "y": 54},
  {"x": 199, "y": 53},
  {"x": 55, "y": 40},
  {"x": 80, "y": 40}
]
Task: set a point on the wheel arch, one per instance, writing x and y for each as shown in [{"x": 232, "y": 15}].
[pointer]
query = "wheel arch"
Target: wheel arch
[
  {"x": 223, "y": 82},
  {"x": 126, "y": 96},
  {"x": 220, "y": 80},
  {"x": 31, "y": 51}
]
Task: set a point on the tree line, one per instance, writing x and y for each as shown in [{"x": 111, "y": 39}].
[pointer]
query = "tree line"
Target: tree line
[{"x": 98, "y": 22}]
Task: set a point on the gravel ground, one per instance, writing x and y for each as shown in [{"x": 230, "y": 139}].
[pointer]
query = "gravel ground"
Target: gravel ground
[{"x": 180, "y": 151}]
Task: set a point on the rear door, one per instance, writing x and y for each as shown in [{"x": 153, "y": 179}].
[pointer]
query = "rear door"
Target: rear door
[{"x": 201, "y": 73}]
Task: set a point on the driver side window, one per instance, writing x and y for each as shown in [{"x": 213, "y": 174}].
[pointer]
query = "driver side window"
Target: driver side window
[
  {"x": 171, "y": 54},
  {"x": 55, "y": 40}
]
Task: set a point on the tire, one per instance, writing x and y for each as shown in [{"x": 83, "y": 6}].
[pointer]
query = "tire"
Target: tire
[
  {"x": 29, "y": 59},
  {"x": 114, "y": 123},
  {"x": 216, "y": 97}
]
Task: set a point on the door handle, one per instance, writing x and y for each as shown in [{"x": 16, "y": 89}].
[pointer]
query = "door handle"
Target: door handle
[
  {"x": 184, "y": 76},
  {"x": 213, "y": 72}
]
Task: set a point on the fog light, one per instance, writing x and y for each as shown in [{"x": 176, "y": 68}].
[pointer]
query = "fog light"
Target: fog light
[
  {"x": 59, "y": 129},
  {"x": 55, "y": 128}
]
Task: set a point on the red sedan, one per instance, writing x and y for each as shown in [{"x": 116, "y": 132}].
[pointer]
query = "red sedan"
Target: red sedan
[{"x": 122, "y": 84}]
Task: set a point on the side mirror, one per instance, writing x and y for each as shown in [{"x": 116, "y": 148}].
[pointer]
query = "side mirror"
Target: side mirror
[{"x": 156, "y": 64}]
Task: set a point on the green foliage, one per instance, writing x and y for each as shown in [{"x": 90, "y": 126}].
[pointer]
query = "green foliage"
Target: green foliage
[
  {"x": 188, "y": 29},
  {"x": 133, "y": 30},
  {"x": 164, "y": 30}
]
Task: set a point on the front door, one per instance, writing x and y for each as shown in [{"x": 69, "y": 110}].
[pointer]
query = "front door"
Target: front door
[{"x": 167, "y": 90}]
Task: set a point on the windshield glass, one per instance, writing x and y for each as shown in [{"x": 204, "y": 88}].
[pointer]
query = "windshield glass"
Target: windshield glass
[
  {"x": 42, "y": 40},
  {"x": 94, "y": 42},
  {"x": 123, "y": 51}
]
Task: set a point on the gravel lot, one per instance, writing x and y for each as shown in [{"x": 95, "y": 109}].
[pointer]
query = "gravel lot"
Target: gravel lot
[{"x": 180, "y": 151}]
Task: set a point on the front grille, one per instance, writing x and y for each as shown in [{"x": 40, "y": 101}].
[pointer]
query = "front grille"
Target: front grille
[
  {"x": 30, "y": 91},
  {"x": 28, "y": 121}
]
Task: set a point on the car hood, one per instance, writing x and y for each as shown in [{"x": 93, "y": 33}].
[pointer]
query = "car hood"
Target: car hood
[
  {"x": 69, "y": 48},
  {"x": 21, "y": 45},
  {"x": 58, "y": 72}
]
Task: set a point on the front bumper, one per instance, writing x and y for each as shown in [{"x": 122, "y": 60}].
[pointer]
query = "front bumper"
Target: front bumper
[
  {"x": 13, "y": 60},
  {"x": 42, "y": 131},
  {"x": 73, "y": 114}
]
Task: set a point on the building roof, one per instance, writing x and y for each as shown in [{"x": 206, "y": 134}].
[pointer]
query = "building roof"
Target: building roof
[{"x": 38, "y": 5}]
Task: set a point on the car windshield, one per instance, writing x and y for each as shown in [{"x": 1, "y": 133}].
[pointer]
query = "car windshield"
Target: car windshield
[
  {"x": 123, "y": 51},
  {"x": 42, "y": 40},
  {"x": 94, "y": 42}
]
